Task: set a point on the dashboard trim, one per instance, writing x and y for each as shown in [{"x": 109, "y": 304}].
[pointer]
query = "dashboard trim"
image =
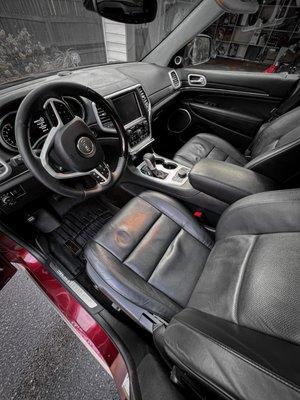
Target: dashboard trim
[
  {"x": 13, "y": 149},
  {"x": 7, "y": 169},
  {"x": 149, "y": 139},
  {"x": 79, "y": 103}
]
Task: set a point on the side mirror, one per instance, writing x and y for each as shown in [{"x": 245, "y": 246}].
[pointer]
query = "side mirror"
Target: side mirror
[
  {"x": 198, "y": 51},
  {"x": 127, "y": 11}
]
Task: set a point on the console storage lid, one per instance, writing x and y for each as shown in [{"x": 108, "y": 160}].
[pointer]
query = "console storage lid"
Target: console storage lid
[{"x": 227, "y": 182}]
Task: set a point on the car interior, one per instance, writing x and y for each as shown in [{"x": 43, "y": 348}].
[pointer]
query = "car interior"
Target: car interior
[{"x": 170, "y": 196}]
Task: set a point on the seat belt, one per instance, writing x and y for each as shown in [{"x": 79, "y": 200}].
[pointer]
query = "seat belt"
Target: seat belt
[{"x": 287, "y": 104}]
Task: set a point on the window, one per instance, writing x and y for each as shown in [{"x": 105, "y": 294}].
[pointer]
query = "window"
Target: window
[{"x": 268, "y": 41}]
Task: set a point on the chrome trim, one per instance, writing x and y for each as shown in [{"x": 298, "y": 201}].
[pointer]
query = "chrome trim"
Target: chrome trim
[
  {"x": 181, "y": 130},
  {"x": 146, "y": 141},
  {"x": 51, "y": 101},
  {"x": 82, "y": 147},
  {"x": 77, "y": 289},
  {"x": 171, "y": 172},
  {"x": 48, "y": 143},
  {"x": 125, "y": 90},
  {"x": 141, "y": 146},
  {"x": 7, "y": 146},
  {"x": 178, "y": 60},
  {"x": 197, "y": 80},
  {"x": 172, "y": 82},
  {"x": 7, "y": 169},
  {"x": 44, "y": 155},
  {"x": 80, "y": 104}
]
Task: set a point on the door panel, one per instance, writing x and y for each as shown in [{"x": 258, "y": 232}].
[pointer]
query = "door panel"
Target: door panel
[
  {"x": 233, "y": 105},
  {"x": 256, "y": 83}
]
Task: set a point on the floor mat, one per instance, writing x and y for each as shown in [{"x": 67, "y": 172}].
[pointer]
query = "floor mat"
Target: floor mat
[{"x": 80, "y": 224}]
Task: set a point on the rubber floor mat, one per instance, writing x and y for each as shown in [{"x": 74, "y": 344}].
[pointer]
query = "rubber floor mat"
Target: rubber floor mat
[{"x": 79, "y": 225}]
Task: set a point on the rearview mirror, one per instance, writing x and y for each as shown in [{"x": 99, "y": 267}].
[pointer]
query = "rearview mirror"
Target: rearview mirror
[
  {"x": 198, "y": 51},
  {"x": 127, "y": 11}
]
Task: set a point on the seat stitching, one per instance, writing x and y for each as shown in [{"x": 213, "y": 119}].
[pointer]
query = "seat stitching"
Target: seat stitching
[
  {"x": 169, "y": 306},
  {"x": 173, "y": 239},
  {"x": 240, "y": 281},
  {"x": 260, "y": 203},
  {"x": 214, "y": 147},
  {"x": 197, "y": 281},
  {"x": 249, "y": 205},
  {"x": 209, "y": 246},
  {"x": 142, "y": 238},
  {"x": 237, "y": 354}
]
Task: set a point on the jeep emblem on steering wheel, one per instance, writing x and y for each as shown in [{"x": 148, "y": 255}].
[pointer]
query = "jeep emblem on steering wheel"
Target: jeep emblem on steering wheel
[{"x": 86, "y": 147}]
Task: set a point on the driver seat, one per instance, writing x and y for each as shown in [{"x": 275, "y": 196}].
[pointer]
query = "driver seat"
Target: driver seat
[
  {"x": 230, "y": 307},
  {"x": 149, "y": 257}
]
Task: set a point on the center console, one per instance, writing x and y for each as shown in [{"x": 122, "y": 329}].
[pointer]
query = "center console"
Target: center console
[
  {"x": 162, "y": 170},
  {"x": 134, "y": 109}
]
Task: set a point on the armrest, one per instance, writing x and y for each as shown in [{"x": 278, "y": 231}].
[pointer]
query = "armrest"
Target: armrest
[{"x": 227, "y": 182}]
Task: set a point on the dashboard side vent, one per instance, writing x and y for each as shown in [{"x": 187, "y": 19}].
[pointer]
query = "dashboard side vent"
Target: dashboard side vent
[
  {"x": 144, "y": 97},
  {"x": 104, "y": 118},
  {"x": 175, "y": 79}
]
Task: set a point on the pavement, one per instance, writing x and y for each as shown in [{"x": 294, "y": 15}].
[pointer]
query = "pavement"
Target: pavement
[{"x": 40, "y": 357}]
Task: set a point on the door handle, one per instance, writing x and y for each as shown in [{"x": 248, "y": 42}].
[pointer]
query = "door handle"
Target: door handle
[{"x": 197, "y": 80}]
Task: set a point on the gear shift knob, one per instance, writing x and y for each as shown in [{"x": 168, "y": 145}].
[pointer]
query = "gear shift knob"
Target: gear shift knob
[{"x": 149, "y": 159}]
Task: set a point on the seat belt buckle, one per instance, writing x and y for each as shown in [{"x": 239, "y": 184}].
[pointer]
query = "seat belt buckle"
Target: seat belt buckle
[{"x": 248, "y": 154}]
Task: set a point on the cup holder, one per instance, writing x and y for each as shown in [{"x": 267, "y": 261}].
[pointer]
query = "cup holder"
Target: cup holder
[{"x": 166, "y": 164}]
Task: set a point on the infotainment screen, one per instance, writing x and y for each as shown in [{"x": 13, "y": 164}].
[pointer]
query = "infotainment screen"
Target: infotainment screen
[{"x": 127, "y": 107}]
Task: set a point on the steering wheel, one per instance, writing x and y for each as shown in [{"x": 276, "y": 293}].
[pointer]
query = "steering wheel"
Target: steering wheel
[{"x": 70, "y": 149}]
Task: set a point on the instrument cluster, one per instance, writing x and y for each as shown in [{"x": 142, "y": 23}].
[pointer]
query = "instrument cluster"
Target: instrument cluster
[{"x": 39, "y": 127}]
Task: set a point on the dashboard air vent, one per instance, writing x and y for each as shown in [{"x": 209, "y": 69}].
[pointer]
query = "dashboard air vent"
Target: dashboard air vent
[
  {"x": 104, "y": 118},
  {"x": 144, "y": 97},
  {"x": 175, "y": 79}
]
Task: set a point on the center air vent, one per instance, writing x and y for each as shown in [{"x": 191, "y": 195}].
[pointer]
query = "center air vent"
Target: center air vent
[
  {"x": 144, "y": 97},
  {"x": 104, "y": 118},
  {"x": 176, "y": 83}
]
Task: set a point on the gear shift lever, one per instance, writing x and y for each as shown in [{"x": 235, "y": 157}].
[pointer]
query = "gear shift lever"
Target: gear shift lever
[
  {"x": 149, "y": 159},
  {"x": 150, "y": 162}
]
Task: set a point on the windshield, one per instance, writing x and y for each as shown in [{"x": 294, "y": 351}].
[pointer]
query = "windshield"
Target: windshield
[{"x": 44, "y": 36}]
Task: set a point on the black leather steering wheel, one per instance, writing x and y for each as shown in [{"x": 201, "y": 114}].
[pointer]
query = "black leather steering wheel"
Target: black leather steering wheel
[{"x": 70, "y": 149}]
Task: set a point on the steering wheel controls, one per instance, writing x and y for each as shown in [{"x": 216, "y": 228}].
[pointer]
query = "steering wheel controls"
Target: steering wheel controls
[
  {"x": 98, "y": 178},
  {"x": 101, "y": 174}
]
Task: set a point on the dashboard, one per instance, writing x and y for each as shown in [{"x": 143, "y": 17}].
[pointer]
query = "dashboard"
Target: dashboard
[{"x": 133, "y": 89}]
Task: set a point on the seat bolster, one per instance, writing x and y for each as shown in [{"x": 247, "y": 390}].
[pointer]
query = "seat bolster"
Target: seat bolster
[
  {"x": 124, "y": 281},
  {"x": 279, "y": 163},
  {"x": 268, "y": 212},
  {"x": 237, "y": 361},
  {"x": 179, "y": 214}
]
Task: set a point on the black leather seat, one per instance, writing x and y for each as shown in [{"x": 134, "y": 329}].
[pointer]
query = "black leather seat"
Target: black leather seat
[
  {"x": 274, "y": 151},
  {"x": 144, "y": 255},
  {"x": 232, "y": 306}
]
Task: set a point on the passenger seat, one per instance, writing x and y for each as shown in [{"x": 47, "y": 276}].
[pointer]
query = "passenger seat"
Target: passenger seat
[{"x": 274, "y": 152}]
